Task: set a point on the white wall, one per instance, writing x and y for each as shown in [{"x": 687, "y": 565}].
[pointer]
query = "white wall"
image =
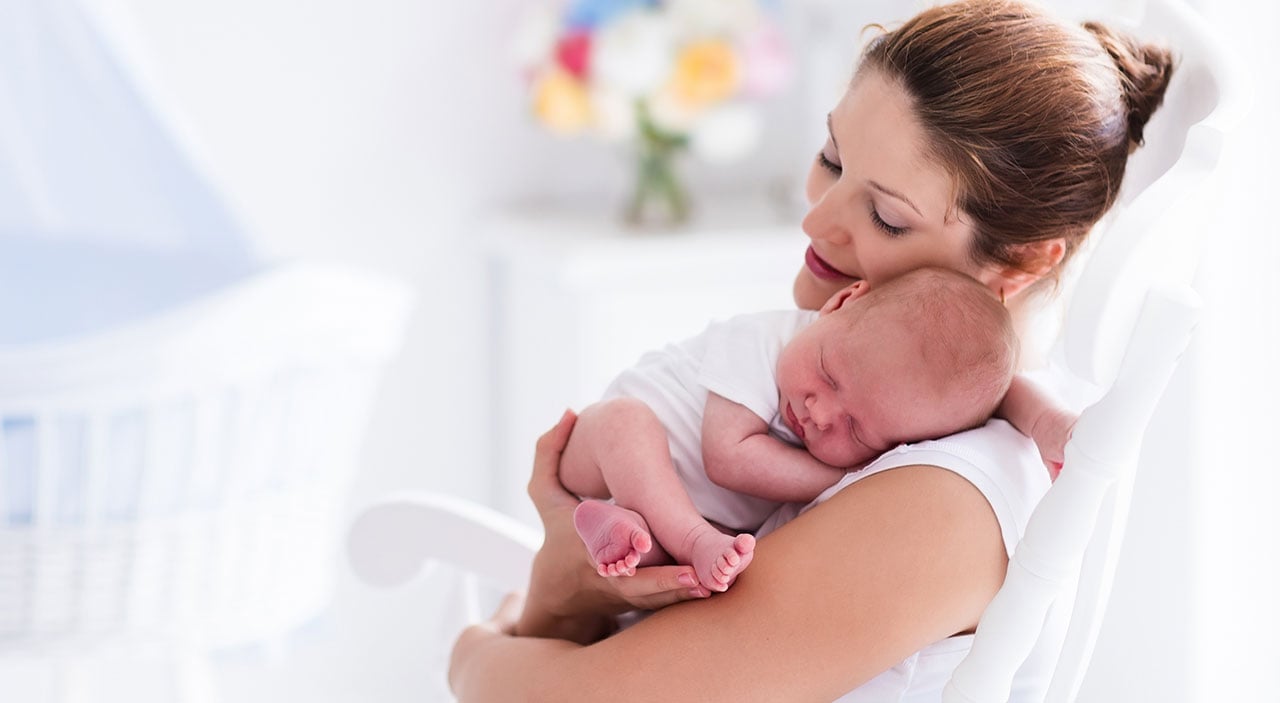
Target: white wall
[
  {"x": 1236, "y": 527},
  {"x": 375, "y": 132}
]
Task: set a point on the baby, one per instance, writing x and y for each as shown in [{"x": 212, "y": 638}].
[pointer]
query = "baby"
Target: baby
[{"x": 699, "y": 442}]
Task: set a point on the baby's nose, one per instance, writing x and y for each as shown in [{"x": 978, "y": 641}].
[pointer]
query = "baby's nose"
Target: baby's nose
[{"x": 819, "y": 413}]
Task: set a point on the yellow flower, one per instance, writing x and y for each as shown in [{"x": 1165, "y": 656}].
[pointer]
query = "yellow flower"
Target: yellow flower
[
  {"x": 706, "y": 72},
  {"x": 561, "y": 102}
]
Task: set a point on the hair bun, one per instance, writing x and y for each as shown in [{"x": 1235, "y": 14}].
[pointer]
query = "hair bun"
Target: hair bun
[{"x": 1145, "y": 70}]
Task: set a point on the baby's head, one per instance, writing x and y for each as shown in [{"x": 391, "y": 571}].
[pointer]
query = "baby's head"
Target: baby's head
[{"x": 925, "y": 355}]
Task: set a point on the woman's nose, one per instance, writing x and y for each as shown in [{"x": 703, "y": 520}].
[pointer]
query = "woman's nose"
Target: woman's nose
[{"x": 824, "y": 221}]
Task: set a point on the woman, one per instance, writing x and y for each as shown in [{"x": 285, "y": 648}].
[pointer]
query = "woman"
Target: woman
[{"x": 982, "y": 136}]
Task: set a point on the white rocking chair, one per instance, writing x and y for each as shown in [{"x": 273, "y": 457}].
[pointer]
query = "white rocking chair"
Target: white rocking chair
[
  {"x": 1130, "y": 318},
  {"x": 1124, "y": 332}
]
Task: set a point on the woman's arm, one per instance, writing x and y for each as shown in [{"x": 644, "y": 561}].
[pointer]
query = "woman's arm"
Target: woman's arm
[
  {"x": 885, "y": 567},
  {"x": 739, "y": 454}
]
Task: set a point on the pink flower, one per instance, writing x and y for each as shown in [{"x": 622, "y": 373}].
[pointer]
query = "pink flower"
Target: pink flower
[
  {"x": 768, "y": 65},
  {"x": 573, "y": 52}
]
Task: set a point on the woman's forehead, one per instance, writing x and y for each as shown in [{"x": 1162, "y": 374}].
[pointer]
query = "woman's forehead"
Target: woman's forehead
[{"x": 880, "y": 140}]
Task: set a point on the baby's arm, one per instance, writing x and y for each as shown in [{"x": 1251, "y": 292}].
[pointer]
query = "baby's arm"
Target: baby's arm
[
  {"x": 1038, "y": 415},
  {"x": 739, "y": 454}
]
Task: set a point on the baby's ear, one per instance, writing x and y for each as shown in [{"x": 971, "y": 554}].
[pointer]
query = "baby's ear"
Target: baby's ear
[{"x": 849, "y": 293}]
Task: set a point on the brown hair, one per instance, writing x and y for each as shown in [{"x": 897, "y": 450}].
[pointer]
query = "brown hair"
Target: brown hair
[{"x": 1034, "y": 118}]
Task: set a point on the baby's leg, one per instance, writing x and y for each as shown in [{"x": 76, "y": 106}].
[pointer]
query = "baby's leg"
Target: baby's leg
[
  {"x": 626, "y": 445},
  {"x": 616, "y": 538}
]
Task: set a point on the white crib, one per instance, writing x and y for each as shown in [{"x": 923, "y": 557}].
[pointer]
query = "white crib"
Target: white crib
[
  {"x": 180, "y": 480},
  {"x": 179, "y": 419}
]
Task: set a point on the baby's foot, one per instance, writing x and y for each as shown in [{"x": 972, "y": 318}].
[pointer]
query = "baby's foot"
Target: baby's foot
[
  {"x": 615, "y": 537},
  {"x": 719, "y": 558}
]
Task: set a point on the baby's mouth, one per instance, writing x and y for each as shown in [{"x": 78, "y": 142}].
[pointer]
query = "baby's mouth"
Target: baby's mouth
[
  {"x": 794, "y": 422},
  {"x": 823, "y": 270}
]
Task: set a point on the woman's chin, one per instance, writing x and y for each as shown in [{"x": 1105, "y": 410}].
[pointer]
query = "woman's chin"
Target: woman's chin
[{"x": 810, "y": 292}]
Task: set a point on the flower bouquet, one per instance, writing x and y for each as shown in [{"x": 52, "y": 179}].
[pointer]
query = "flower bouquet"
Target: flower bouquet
[{"x": 665, "y": 76}]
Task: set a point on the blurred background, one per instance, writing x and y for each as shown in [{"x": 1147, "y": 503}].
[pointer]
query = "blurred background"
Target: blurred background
[{"x": 408, "y": 140}]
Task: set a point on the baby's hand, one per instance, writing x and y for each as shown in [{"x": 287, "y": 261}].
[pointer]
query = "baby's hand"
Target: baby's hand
[{"x": 1051, "y": 433}]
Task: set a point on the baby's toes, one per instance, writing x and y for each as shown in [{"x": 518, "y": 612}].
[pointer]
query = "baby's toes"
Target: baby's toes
[
  {"x": 617, "y": 569},
  {"x": 729, "y": 559},
  {"x": 723, "y": 571}
]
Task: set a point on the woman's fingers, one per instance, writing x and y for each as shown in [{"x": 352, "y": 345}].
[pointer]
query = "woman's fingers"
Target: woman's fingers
[
  {"x": 655, "y": 587},
  {"x": 544, "y": 485}
]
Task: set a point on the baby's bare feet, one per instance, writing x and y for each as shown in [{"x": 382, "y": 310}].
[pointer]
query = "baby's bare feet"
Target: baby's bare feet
[
  {"x": 615, "y": 537},
  {"x": 719, "y": 558}
]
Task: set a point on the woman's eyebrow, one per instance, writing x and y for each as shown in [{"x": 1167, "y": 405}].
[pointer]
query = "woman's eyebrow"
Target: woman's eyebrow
[
  {"x": 895, "y": 194},
  {"x": 887, "y": 191}
]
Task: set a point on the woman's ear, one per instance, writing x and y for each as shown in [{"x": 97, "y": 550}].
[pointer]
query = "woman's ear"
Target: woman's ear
[
  {"x": 853, "y": 291},
  {"x": 1035, "y": 261}
]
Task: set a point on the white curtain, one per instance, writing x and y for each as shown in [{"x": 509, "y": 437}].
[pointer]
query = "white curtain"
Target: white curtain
[
  {"x": 81, "y": 155},
  {"x": 102, "y": 218}
]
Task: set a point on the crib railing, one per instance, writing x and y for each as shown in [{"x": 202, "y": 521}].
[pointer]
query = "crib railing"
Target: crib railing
[{"x": 183, "y": 480}]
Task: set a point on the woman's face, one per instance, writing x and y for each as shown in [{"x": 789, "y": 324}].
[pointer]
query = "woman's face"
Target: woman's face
[{"x": 879, "y": 205}]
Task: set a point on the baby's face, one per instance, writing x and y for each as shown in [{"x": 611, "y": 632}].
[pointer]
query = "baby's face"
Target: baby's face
[{"x": 852, "y": 395}]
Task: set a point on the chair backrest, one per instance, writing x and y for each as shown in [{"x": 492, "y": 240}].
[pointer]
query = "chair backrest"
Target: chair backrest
[
  {"x": 1130, "y": 315},
  {"x": 1153, "y": 236}
]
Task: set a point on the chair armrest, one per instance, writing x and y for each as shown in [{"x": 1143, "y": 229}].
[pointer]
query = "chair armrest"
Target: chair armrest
[{"x": 391, "y": 540}]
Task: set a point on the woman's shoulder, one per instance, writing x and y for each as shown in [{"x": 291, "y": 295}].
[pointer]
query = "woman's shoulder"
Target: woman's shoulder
[{"x": 998, "y": 460}]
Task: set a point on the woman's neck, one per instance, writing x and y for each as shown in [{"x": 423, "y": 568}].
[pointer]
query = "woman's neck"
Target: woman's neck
[{"x": 1036, "y": 319}]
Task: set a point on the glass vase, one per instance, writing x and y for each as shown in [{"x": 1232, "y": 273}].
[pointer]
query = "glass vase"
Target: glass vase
[{"x": 658, "y": 197}]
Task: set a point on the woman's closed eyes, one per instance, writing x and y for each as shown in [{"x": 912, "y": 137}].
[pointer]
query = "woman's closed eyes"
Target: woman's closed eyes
[
  {"x": 829, "y": 165},
  {"x": 836, "y": 170},
  {"x": 887, "y": 228}
]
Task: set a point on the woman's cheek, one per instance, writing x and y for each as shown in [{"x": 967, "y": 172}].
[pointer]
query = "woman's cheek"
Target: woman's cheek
[{"x": 810, "y": 293}]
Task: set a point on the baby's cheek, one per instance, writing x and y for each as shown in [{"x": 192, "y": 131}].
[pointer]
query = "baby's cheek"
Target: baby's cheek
[
  {"x": 859, "y": 453},
  {"x": 839, "y": 453}
]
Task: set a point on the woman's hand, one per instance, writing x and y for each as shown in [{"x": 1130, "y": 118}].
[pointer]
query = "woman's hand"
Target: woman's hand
[{"x": 567, "y": 598}]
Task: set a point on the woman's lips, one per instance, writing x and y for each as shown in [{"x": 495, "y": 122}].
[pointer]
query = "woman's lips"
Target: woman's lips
[
  {"x": 794, "y": 422},
  {"x": 821, "y": 269}
]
